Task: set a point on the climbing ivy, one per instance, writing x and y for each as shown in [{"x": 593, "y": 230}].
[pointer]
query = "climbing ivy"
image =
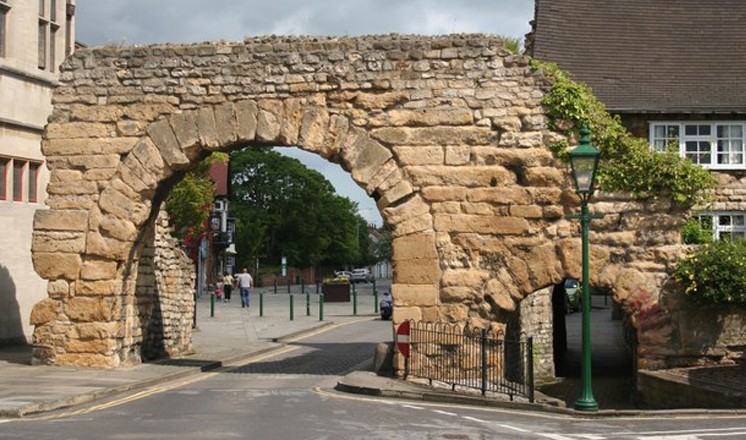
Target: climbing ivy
[{"x": 627, "y": 163}]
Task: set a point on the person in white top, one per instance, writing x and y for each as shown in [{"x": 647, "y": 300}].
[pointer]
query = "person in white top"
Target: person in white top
[{"x": 244, "y": 283}]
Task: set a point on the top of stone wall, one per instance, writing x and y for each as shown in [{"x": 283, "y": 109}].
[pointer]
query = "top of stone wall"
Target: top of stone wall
[{"x": 376, "y": 47}]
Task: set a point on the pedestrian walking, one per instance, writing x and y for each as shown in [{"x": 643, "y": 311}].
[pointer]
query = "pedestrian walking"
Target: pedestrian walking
[
  {"x": 244, "y": 283},
  {"x": 227, "y": 286}
]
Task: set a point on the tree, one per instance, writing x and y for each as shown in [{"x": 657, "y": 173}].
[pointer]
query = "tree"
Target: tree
[
  {"x": 190, "y": 201},
  {"x": 286, "y": 209}
]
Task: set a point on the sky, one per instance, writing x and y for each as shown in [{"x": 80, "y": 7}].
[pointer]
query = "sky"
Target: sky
[{"x": 138, "y": 22}]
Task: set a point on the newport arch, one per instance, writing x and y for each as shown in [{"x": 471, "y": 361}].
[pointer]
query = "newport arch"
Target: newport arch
[{"x": 448, "y": 134}]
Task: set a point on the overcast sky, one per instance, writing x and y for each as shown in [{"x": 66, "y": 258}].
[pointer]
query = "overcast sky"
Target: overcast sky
[{"x": 131, "y": 22}]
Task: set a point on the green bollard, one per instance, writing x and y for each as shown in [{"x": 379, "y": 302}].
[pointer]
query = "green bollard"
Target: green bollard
[
  {"x": 321, "y": 307},
  {"x": 275, "y": 285},
  {"x": 354, "y": 302},
  {"x": 288, "y": 284},
  {"x": 308, "y": 304},
  {"x": 375, "y": 299},
  {"x": 261, "y": 303},
  {"x": 291, "y": 308},
  {"x": 302, "y": 286},
  {"x": 212, "y": 305}
]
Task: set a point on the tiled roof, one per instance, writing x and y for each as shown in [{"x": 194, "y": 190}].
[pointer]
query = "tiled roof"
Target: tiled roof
[{"x": 649, "y": 55}]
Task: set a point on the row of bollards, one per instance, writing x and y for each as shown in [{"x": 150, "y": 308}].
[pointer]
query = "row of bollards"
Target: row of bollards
[{"x": 291, "y": 304}]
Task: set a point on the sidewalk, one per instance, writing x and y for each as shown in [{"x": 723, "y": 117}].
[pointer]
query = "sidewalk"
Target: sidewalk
[{"x": 233, "y": 334}]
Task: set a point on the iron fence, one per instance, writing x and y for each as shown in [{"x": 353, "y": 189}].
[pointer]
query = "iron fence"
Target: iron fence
[{"x": 476, "y": 359}]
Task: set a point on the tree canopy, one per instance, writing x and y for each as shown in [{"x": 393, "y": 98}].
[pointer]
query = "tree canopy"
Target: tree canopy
[{"x": 282, "y": 208}]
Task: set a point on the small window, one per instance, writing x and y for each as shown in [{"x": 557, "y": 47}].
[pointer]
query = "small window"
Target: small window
[
  {"x": 33, "y": 181},
  {"x": 4, "y": 178},
  {"x": 18, "y": 166},
  {"x": 724, "y": 225},
  {"x": 4, "y": 10}
]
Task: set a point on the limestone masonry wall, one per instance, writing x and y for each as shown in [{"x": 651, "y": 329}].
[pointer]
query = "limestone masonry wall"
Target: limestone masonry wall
[{"x": 447, "y": 134}]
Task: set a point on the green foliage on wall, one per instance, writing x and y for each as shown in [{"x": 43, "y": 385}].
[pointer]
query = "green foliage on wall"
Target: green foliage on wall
[
  {"x": 190, "y": 201},
  {"x": 693, "y": 232},
  {"x": 715, "y": 272},
  {"x": 627, "y": 163}
]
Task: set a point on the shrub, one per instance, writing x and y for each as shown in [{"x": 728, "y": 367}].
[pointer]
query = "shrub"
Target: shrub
[
  {"x": 693, "y": 232},
  {"x": 715, "y": 273}
]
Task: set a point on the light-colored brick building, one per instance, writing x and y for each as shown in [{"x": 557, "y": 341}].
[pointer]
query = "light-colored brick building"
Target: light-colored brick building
[{"x": 35, "y": 36}]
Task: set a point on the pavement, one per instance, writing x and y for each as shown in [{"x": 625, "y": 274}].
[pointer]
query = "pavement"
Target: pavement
[{"x": 230, "y": 336}]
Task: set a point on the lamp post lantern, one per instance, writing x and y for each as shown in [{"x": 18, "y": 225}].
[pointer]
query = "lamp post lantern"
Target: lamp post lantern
[{"x": 584, "y": 162}]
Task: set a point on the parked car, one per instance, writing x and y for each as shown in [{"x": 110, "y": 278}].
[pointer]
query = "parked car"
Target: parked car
[
  {"x": 387, "y": 306},
  {"x": 343, "y": 274},
  {"x": 572, "y": 294},
  {"x": 361, "y": 276}
]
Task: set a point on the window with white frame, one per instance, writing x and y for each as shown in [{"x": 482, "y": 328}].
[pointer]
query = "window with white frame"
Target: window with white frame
[
  {"x": 724, "y": 225},
  {"x": 716, "y": 144}
]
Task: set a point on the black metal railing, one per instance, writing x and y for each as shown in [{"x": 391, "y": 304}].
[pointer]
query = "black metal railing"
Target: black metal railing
[{"x": 477, "y": 359}]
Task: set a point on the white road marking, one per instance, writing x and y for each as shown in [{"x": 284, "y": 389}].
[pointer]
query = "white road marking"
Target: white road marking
[
  {"x": 445, "y": 413},
  {"x": 412, "y": 407},
  {"x": 474, "y": 419},
  {"x": 514, "y": 428}
]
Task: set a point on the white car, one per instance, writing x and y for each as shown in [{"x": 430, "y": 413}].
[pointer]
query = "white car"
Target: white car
[{"x": 360, "y": 276}]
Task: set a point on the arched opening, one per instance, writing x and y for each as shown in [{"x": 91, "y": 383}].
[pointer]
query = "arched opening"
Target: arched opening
[{"x": 613, "y": 346}]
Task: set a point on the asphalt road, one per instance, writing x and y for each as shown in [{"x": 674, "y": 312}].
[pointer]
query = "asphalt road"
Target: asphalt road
[{"x": 288, "y": 395}]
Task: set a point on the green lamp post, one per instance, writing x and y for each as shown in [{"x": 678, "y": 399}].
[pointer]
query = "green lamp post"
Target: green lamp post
[{"x": 584, "y": 162}]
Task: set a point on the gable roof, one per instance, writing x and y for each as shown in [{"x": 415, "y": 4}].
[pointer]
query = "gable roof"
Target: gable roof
[{"x": 669, "y": 56}]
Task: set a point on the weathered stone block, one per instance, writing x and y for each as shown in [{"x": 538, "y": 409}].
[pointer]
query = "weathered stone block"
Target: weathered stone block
[
  {"x": 268, "y": 121},
  {"x": 246, "y": 114},
  {"x": 420, "y": 271},
  {"x": 78, "y": 130},
  {"x": 419, "y": 155},
  {"x": 64, "y": 242},
  {"x": 53, "y": 266},
  {"x": 164, "y": 139},
  {"x": 434, "y": 136},
  {"x": 98, "y": 270},
  {"x": 414, "y": 295},
  {"x": 44, "y": 312},
  {"x": 465, "y": 277},
  {"x": 185, "y": 128},
  {"x": 471, "y": 177},
  {"x": 414, "y": 246},
  {"x": 226, "y": 120},
  {"x": 481, "y": 224}
]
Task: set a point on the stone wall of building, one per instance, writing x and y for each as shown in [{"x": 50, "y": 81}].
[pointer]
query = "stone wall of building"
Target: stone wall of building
[
  {"x": 165, "y": 294},
  {"x": 535, "y": 316},
  {"x": 448, "y": 134}
]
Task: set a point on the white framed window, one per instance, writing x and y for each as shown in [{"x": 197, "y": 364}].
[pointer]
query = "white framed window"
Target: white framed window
[
  {"x": 724, "y": 225},
  {"x": 712, "y": 144}
]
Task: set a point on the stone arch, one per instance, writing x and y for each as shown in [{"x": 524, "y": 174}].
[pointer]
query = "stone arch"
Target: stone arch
[{"x": 448, "y": 134}]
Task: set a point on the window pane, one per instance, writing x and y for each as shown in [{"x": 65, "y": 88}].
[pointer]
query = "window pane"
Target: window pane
[
  {"x": 18, "y": 180},
  {"x": 3, "y": 18},
  {"x": 52, "y": 10},
  {"x": 42, "y": 45},
  {"x": 52, "y": 50},
  {"x": 738, "y": 220},
  {"x": 724, "y": 220},
  {"x": 33, "y": 179},
  {"x": 41, "y": 8},
  {"x": 3, "y": 179}
]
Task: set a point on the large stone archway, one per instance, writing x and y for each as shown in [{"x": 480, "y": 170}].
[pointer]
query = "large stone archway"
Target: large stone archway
[{"x": 448, "y": 134}]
